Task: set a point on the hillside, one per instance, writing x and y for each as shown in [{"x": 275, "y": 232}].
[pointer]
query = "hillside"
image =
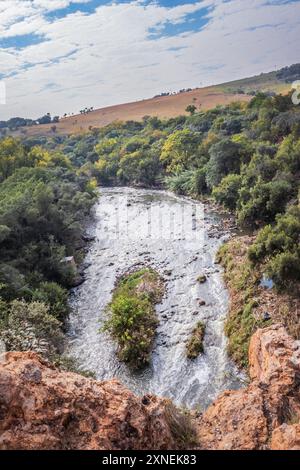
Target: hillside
[
  {"x": 173, "y": 105},
  {"x": 162, "y": 107}
]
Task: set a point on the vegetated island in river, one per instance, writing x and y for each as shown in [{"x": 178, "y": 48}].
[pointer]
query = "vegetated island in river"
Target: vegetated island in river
[{"x": 132, "y": 318}]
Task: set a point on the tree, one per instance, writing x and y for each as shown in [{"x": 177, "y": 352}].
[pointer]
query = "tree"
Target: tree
[
  {"x": 225, "y": 158},
  {"x": 227, "y": 192},
  {"x": 278, "y": 247},
  {"x": 12, "y": 156},
  {"x": 179, "y": 150},
  {"x": 191, "y": 108}
]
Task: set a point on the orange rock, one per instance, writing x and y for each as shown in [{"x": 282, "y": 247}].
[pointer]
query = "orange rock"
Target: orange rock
[
  {"x": 43, "y": 408},
  {"x": 247, "y": 418},
  {"x": 286, "y": 437}
]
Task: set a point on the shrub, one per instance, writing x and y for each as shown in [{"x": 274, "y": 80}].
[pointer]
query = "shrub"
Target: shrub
[
  {"x": 55, "y": 296},
  {"x": 195, "y": 344},
  {"x": 29, "y": 326},
  {"x": 278, "y": 248},
  {"x": 227, "y": 192},
  {"x": 132, "y": 322}
]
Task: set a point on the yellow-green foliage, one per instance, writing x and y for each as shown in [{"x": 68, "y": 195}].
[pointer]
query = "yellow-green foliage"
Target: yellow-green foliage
[{"x": 133, "y": 321}]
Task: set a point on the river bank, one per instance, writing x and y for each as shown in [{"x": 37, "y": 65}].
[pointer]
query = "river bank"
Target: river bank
[{"x": 254, "y": 301}]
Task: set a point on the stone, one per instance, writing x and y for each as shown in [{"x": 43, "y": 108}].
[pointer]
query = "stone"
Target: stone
[
  {"x": 44, "y": 408},
  {"x": 286, "y": 436},
  {"x": 250, "y": 418}
]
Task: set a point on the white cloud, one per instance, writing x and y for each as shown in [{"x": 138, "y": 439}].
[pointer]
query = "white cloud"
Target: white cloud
[{"x": 109, "y": 56}]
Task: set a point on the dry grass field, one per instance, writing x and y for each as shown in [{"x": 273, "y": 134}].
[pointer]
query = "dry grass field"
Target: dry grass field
[{"x": 163, "y": 106}]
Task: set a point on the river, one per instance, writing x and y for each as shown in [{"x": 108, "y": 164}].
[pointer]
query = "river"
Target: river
[{"x": 179, "y": 238}]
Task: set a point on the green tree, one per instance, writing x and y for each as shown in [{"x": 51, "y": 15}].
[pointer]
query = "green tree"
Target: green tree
[
  {"x": 191, "y": 108},
  {"x": 179, "y": 151},
  {"x": 227, "y": 192}
]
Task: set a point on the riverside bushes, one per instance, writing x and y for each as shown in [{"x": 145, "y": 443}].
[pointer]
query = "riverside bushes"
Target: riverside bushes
[
  {"x": 133, "y": 321},
  {"x": 279, "y": 249},
  {"x": 43, "y": 206},
  {"x": 242, "y": 281}
]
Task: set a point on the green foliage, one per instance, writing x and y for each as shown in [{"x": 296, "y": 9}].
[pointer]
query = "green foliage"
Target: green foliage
[
  {"x": 225, "y": 158},
  {"x": 191, "y": 108},
  {"x": 278, "y": 247},
  {"x": 43, "y": 211},
  {"x": 55, "y": 296},
  {"x": 190, "y": 182},
  {"x": 179, "y": 150},
  {"x": 265, "y": 201},
  {"x": 242, "y": 280},
  {"x": 239, "y": 328},
  {"x": 226, "y": 193},
  {"x": 30, "y": 326},
  {"x": 195, "y": 344},
  {"x": 43, "y": 206},
  {"x": 132, "y": 322},
  {"x": 139, "y": 167}
]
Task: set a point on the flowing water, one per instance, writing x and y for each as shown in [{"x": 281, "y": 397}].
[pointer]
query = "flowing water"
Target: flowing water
[{"x": 179, "y": 239}]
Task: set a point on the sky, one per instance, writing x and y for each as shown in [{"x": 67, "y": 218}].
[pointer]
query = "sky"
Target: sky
[{"x": 60, "y": 56}]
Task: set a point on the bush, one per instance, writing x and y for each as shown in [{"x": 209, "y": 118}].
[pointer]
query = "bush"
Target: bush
[
  {"x": 55, "y": 296},
  {"x": 195, "y": 344},
  {"x": 29, "y": 326},
  {"x": 224, "y": 159},
  {"x": 228, "y": 191},
  {"x": 132, "y": 322},
  {"x": 278, "y": 248}
]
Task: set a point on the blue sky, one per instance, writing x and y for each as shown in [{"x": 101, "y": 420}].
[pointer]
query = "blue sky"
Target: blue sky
[{"x": 63, "y": 55}]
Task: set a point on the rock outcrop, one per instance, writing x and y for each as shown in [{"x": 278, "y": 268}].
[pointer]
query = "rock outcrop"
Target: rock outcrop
[
  {"x": 259, "y": 416},
  {"x": 44, "y": 408}
]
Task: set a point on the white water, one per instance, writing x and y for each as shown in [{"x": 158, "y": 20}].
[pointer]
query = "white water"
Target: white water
[{"x": 171, "y": 234}]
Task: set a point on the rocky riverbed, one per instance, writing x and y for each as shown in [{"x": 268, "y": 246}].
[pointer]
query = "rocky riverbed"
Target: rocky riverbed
[{"x": 179, "y": 238}]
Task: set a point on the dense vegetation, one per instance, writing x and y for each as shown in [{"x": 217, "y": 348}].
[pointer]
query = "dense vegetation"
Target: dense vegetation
[
  {"x": 246, "y": 157},
  {"x": 243, "y": 283},
  {"x": 132, "y": 319},
  {"x": 43, "y": 205}
]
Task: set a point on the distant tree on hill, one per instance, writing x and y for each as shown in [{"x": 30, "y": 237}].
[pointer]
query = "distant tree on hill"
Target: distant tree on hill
[{"x": 191, "y": 108}]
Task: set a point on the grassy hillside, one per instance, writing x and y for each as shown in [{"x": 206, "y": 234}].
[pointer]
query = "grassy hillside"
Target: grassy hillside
[{"x": 265, "y": 82}]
